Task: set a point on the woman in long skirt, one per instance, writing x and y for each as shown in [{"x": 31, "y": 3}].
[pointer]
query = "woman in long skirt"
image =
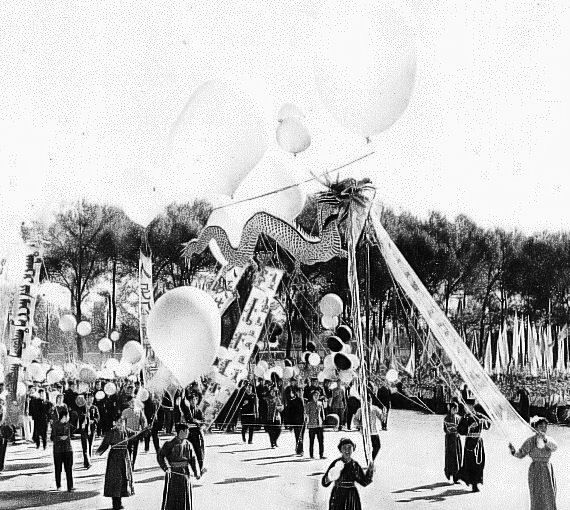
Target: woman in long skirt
[
  {"x": 453, "y": 455},
  {"x": 541, "y": 481},
  {"x": 119, "y": 473},
  {"x": 345, "y": 473},
  {"x": 471, "y": 426}
]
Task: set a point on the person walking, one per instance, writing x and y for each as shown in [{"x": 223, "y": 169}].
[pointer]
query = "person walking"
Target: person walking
[
  {"x": 42, "y": 415},
  {"x": 471, "y": 426},
  {"x": 345, "y": 472},
  {"x": 88, "y": 420},
  {"x": 338, "y": 404},
  {"x": 153, "y": 417},
  {"x": 62, "y": 449},
  {"x": 119, "y": 472},
  {"x": 135, "y": 422},
  {"x": 194, "y": 419},
  {"x": 384, "y": 395},
  {"x": 375, "y": 417},
  {"x": 248, "y": 413},
  {"x": 176, "y": 459},
  {"x": 541, "y": 480},
  {"x": 296, "y": 418},
  {"x": 453, "y": 454},
  {"x": 274, "y": 410},
  {"x": 315, "y": 416}
]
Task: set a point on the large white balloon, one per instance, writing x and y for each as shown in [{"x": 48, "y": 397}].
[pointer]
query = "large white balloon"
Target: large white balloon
[
  {"x": 105, "y": 344},
  {"x": 219, "y": 137},
  {"x": 365, "y": 64},
  {"x": 143, "y": 203},
  {"x": 133, "y": 352},
  {"x": 184, "y": 329},
  {"x": 84, "y": 328},
  {"x": 330, "y": 305},
  {"x": 55, "y": 375},
  {"x": 292, "y": 136},
  {"x": 67, "y": 323}
]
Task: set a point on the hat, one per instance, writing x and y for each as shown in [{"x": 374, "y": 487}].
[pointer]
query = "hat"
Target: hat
[
  {"x": 346, "y": 440},
  {"x": 537, "y": 420}
]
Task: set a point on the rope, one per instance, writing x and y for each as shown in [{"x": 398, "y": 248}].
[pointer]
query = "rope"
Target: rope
[{"x": 314, "y": 178}]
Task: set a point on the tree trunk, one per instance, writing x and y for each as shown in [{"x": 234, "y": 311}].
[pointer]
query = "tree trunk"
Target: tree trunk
[{"x": 113, "y": 296}]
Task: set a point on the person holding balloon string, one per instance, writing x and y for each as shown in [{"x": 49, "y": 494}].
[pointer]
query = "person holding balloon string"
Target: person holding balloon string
[
  {"x": 345, "y": 472},
  {"x": 88, "y": 420},
  {"x": 541, "y": 480}
]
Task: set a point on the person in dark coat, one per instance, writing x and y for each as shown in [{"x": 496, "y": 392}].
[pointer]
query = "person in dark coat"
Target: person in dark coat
[
  {"x": 346, "y": 473},
  {"x": 194, "y": 419},
  {"x": 119, "y": 473},
  {"x": 453, "y": 454},
  {"x": 471, "y": 426},
  {"x": 524, "y": 403},
  {"x": 62, "y": 449},
  {"x": 88, "y": 420},
  {"x": 69, "y": 398},
  {"x": 352, "y": 406},
  {"x": 151, "y": 409},
  {"x": 248, "y": 413},
  {"x": 176, "y": 459},
  {"x": 167, "y": 412},
  {"x": 296, "y": 418},
  {"x": 384, "y": 395},
  {"x": 41, "y": 416}
]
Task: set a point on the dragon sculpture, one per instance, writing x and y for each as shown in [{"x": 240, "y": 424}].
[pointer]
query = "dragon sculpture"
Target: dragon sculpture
[{"x": 304, "y": 248}]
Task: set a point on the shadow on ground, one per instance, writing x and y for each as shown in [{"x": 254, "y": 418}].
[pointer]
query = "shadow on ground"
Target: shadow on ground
[
  {"x": 422, "y": 487},
  {"x": 436, "y": 497},
  {"x": 240, "y": 480},
  {"x": 14, "y": 500}
]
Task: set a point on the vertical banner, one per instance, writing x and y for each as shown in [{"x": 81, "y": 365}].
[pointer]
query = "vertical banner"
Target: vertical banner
[
  {"x": 22, "y": 321},
  {"x": 146, "y": 302},
  {"x": 234, "y": 367},
  {"x": 489, "y": 396},
  {"x": 357, "y": 218}
]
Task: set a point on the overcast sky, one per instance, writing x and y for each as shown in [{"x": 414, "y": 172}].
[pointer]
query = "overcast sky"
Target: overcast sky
[{"x": 89, "y": 91}]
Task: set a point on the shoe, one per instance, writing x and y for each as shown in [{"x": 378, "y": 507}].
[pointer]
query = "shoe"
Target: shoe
[
  {"x": 58, "y": 488},
  {"x": 475, "y": 488},
  {"x": 312, "y": 457},
  {"x": 88, "y": 466},
  {"x": 71, "y": 490},
  {"x": 323, "y": 457},
  {"x": 203, "y": 471},
  {"x": 250, "y": 442},
  {"x": 299, "y": 455}
]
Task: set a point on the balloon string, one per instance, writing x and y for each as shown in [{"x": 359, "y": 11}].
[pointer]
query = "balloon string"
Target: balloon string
[{"x": 314, "y": 178}]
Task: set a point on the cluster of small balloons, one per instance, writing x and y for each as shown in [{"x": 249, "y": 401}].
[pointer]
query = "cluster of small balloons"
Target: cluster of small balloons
[
  {"x": 288, "y": 371},
  {"x": 68, "y": 323},
  {"x": 106, "y": 344}
]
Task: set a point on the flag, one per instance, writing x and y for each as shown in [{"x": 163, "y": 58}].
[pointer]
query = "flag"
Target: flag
[
  {"x": 516, "y": 340},
  {"x": 523, "y": 344},
  {"x": 488, "y": 364},
  {"x": 532, "y": 351},
  {"x": 383, "y": 348},
  {"x": 562, "y": 334}
]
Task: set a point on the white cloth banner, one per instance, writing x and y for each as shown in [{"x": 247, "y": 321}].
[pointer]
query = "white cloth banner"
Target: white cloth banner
[
  {"x": 234, "y": 367},
  {"x": 488, "y": 395},
  {"x": 146, "y": 299}
]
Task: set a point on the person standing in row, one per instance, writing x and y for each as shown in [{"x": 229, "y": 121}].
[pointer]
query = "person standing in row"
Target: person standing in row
[
  {"x": 135, "y": 421},
  {"x": 194, "y": 419},
  {"x": 42, "y": 411},
  {"x": 471, "y": 426},
  {"x": 62, "y": 449},
  {"x": 384, "y": 395},
  {"x": 453, "y": 455},
  {"x": 541, "y": 481},
  {"x": 88, "y": 420},
  {"x": 154, "y": 419},
  {"x": 315, "y": 416},
  {"x": 248, "y": 413},
  {"x": 296, "y": 418},
  {"x": 338, "y": 404},
  {"x": 119, "y": 473},
  {"x": 176, "y": 459},
  {"x": 274, "y": 410}
]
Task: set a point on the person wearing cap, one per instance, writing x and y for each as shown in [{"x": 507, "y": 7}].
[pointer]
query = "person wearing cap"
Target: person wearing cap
[
  {"x": 176, "y": 459},
  {"x": 88, "y": 420},
  {"x": 471, "y": 426},
  {"x": 347, "y": 473},
  {"x": 248, "y": 412},
  {"x": 195, "y": 420},
  {"x": 119, "y": 473},
  {"x": 315, "y": 417},
  {"x": 62, "y": 449},
  {"x": 541, "y": 481}
]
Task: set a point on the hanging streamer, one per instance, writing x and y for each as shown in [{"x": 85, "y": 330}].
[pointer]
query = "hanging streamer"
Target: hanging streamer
[
  {"x": 146, "y": 302},
  {"x": 357, "y": 218},
  {"x": 489, "y": 396}
]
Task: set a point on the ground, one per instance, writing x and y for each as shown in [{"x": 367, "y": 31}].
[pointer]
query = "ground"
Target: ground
[{"x": 409, "y": 474}]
